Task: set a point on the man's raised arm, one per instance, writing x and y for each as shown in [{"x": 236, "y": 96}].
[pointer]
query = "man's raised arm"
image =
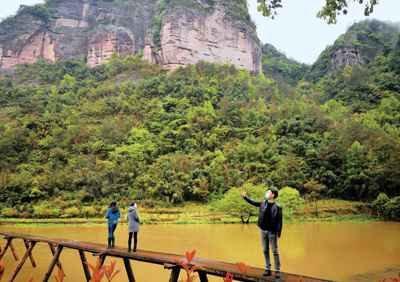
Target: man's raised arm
[{"x": 250, "y": 201}]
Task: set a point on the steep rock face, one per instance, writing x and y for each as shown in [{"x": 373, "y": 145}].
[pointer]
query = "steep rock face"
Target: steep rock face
[
  {"x": 90, "y": 29},
  {"x": 39, "y": 45},
  {"x": 345, "y": 56},
  {"x": 188, "y": 37},
  {"x": 97, "y": 29}
]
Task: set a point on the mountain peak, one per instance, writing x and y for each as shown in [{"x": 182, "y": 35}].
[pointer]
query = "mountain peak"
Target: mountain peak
[{"x": 359, "y": 45}]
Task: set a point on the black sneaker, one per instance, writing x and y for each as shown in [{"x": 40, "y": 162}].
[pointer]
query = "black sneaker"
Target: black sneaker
[
  {"x": 278, "y": 274},
  {"x": 267, "y": 273}
]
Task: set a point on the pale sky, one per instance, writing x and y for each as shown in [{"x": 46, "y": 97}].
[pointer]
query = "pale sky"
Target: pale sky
[{"x": 296, "y": 30}]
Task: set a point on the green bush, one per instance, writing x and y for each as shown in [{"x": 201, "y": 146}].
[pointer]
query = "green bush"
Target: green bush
[
  {"x": 44, "y": 211},
  {"x": 392, "y": 209},
  {"x": 378, "y": 206},
  {"x": 90, "y": 212},
  {"x": 103, "y": 211},
  {"x": 9, "y": 212},
  {"x": 71, "y": 212},
  {"x": 232, "y": 203},
  {"x": 290, "y": 200}
]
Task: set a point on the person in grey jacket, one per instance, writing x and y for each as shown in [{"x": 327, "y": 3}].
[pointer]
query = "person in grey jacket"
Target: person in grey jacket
[
  {"x": 270, "y": 224},
  {"x": 133, "y": 226}
]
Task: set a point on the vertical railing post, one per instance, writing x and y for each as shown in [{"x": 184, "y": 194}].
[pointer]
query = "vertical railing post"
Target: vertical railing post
[
  {"x": 21, "y": 263},
  {"x": 53, "y": 263},
  {"x": 129, "y": 272},
  {"x": 26, "y": 243},
  {"x": 85, "y": 265}
]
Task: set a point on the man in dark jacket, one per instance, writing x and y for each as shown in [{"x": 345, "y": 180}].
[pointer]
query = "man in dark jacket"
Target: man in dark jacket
[{"x": 270, "y": 224}]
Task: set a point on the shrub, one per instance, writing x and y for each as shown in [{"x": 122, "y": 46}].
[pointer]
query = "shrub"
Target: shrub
[
  {"x": 290, "y": 200},
  {"x": 378, "y": 206},
  {"x": 44, "y": 211},
  {"x": 9, "y": 212},
  {"x": 233, "y": 203},
  {"x": 71, "y": 212},
  {"x": 392, "y": 209},
  {"x": 90, "y": 212}
]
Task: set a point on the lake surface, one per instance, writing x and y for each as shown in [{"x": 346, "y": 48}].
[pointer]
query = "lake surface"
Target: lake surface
[{"x": 339, "y": 251}]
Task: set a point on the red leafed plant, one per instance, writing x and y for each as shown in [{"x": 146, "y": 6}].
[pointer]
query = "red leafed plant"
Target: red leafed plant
[
  {"x": 2, "y": 268},
  {"x": 190, "y": 255},
  {"x": 60, "y": 275},
  {"x": 186, "y": 264},
  {"x": 391, "y": 279},
  {"x": 110, "y": 271},
  {"x": 99, "y": 271},
  {"x": 242, "y": 267},
  {"x": 228, "y": 277}
]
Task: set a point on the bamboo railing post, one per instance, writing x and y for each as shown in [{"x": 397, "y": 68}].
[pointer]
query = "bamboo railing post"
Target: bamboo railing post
[
  {"x": 10, "y": 245},
  {"x": 175, "y": 274},
  {"x": 203, "y": 276},
  {"x": 85, "y": 265},
  {"x": 129, "y": 272},
  {"x": 26, "y": 243},
  {"x": 53, "y": 263},
  {"x": 14, "y": 253},
  {"x": 102, "y": 259},
  {"x": 53, "y": 251},
  {"x": 5, "y": 248},
  {"x": 21, "y": 263}
]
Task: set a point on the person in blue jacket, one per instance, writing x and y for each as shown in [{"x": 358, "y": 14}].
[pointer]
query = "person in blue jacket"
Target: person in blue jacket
[{"x": 113, "y": 216}]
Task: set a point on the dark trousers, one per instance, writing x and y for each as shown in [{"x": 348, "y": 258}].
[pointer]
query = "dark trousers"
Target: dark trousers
[
  {"x": 134, "y": 240},
  {"x": 111, "y": 238}
]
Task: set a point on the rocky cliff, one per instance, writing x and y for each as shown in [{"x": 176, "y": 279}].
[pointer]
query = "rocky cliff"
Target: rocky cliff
[
  {"x": 213, "y": 31},
  {"x": 169, "y": 32},
  {"x": 361, "y": 43}
]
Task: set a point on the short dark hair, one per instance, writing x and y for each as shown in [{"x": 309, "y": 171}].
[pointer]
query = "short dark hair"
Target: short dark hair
[{"x": 275, "y": 191}]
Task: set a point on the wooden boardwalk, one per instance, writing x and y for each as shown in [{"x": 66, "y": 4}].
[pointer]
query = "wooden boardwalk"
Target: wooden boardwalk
[{"x": 205, "y": 267}]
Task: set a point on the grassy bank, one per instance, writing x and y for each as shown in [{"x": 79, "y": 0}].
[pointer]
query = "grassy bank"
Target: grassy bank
[{"x": 326, "y": 211}]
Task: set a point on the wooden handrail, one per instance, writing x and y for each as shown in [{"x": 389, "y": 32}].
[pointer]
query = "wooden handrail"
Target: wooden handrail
[{"x": 169, "y": 261}]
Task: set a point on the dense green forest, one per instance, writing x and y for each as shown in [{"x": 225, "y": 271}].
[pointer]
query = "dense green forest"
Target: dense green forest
[{"x": 72, "y": 135}]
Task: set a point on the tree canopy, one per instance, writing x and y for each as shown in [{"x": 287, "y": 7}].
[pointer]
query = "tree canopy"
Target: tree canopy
[{"x": 328, "y": 12}]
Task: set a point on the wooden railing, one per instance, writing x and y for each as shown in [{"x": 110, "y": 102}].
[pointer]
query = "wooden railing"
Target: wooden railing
[{"x": 204, "y": 267}]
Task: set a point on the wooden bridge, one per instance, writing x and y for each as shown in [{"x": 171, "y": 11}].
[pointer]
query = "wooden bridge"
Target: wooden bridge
[{"x": 204, "y": 267}]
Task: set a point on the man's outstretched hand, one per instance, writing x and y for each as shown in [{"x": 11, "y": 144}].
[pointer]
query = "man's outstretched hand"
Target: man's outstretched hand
[{"x": 244, "y": 194}]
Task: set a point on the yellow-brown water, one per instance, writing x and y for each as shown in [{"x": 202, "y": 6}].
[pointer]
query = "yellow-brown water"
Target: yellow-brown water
[{"x": 338, "y": 251}]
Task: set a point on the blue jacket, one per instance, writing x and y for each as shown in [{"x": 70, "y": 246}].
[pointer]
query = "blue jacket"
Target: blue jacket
[{"x": 112, "y": 216}]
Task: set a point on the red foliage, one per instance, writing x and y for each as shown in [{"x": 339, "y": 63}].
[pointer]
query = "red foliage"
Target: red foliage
[
  {"x": 60, "y": 275},
  {"x": 228, "y": 277},
  {"x": 190, "y": 269},
  {"x": 243, "y": 268},
  {"x": 99, "y": 271},
  {"x": 190, "y": 255},
  {"x": 110, "y": 271},
  {"x": 2, "y": 268}
]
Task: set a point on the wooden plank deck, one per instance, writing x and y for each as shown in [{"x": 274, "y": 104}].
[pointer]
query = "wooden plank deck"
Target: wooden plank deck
[{"x": 205, "y": 266}]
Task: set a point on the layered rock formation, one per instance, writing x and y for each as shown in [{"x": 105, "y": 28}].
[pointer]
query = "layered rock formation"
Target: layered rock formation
[
  {"x": 188, "y": 37},
  {"x": 97, "y": 29}
]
